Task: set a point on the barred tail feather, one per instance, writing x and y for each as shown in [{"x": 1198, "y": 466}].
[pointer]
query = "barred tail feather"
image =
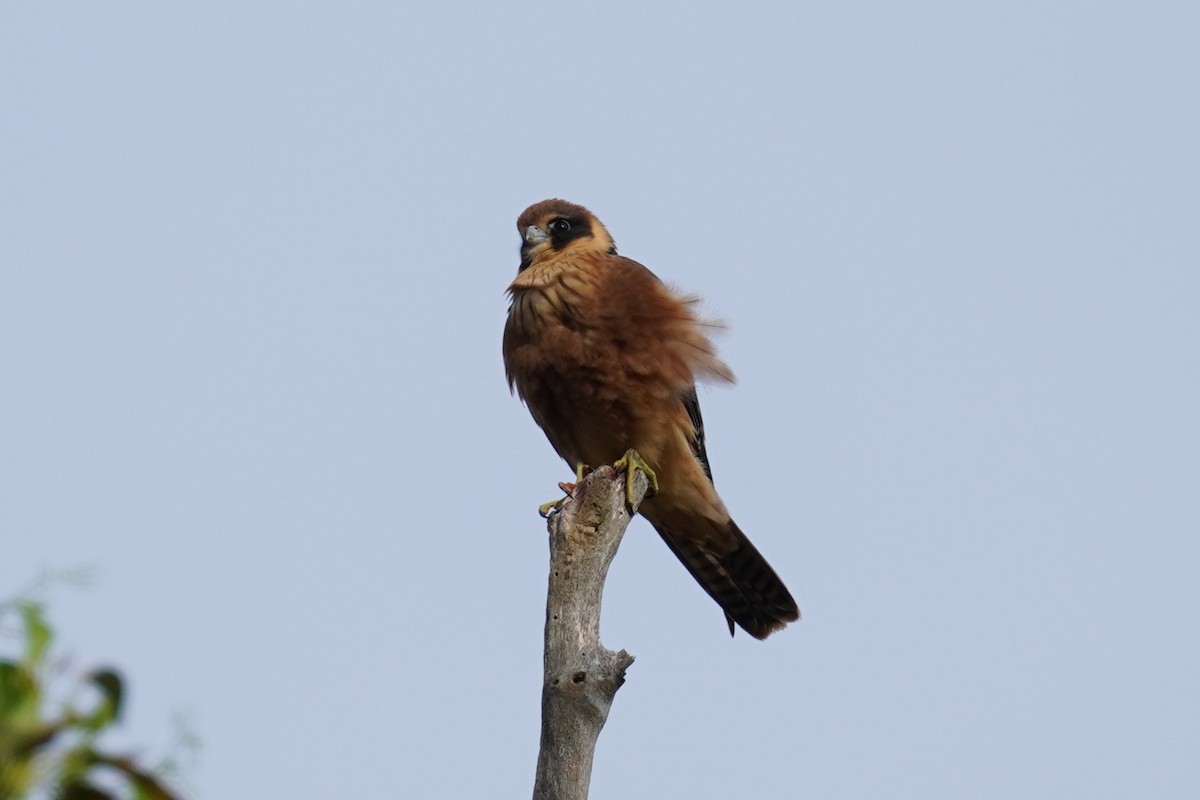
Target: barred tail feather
[{"x": 741, "y": 581}]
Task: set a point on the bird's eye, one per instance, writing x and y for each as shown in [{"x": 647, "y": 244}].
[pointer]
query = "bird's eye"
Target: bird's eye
[{"x": 559, "y": 225}]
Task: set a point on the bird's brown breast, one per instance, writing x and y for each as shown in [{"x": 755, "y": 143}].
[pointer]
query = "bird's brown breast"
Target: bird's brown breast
[
  {"x": 565, "y": 361},
  {"x": 603, "y": 353}
]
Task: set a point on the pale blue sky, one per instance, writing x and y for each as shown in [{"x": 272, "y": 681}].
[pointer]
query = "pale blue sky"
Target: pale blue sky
[{"x": 254, "y": 262}]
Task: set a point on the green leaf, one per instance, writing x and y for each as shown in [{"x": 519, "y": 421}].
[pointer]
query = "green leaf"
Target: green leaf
[
  {"x": 75, "y": 764},
  {"x": 112, "y": 690},
  {"x": 19, "y": 694},
  {"x": 38, "y": 632},
  {"x": 16, "y": 777},
  {"x": 10, "y": 687},
  {"x": 83, "y": 791},
  {"x": 109, "y": 681}
]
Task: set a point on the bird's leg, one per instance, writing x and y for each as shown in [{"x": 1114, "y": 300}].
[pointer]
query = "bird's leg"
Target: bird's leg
[
  {"x": 568, "y": 489},
  {"x": 581, "y": 469},
  {"x": 631, "y": 462}
]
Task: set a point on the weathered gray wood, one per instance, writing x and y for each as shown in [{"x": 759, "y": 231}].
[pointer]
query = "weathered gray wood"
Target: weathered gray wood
[{"x": 581, "y": 675}]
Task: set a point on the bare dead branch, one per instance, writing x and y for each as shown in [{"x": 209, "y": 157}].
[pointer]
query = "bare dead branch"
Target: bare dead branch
[{"x": 581, "y": 675}]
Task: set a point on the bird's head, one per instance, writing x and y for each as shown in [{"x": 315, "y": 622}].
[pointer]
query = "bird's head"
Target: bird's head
[{"x": 552, "y": 227}]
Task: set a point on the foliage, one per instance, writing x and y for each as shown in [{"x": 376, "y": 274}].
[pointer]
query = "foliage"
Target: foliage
[{"x": 54, "y": 752}]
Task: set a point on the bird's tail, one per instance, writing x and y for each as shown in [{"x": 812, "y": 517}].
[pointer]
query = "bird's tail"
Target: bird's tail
[{"x": 740, "y": 580}]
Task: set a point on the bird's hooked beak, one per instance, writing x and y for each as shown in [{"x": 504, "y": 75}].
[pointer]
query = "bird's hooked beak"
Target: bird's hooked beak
[{"x": 535, "y": 235}]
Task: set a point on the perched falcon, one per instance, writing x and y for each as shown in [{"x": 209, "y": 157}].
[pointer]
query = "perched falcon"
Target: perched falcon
[{"x": 606, "y": 357}]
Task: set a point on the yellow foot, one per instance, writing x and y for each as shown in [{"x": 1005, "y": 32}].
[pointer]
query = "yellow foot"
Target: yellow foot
[
  {"x": 631, "y": 462},
  {"x": 568, "y": 489},
  {"x": 546, "y": 509}
]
